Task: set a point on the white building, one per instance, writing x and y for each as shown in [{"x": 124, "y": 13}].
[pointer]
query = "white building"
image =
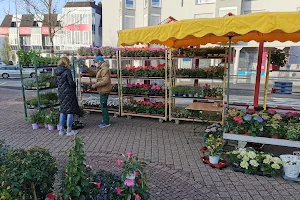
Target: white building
[
  {"x": 79, "y": 24},
  {"x": 125, "y": 14}
]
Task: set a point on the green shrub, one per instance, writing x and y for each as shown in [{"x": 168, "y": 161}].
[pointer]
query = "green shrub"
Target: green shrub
[{"x": 31, "y": 172}]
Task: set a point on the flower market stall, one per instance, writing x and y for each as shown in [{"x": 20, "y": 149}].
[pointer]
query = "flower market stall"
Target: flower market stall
[{"x": 260, "y": 27}]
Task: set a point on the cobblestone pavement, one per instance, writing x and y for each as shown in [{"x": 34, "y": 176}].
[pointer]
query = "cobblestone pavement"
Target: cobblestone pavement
[{"x": 175, "y": 170}]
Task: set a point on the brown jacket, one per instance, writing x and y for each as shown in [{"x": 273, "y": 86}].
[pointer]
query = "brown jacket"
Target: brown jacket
[{"x": 103, "y": 83}]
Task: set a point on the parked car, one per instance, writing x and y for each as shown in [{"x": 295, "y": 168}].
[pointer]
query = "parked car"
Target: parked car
[{"x": 14, "y": 72}]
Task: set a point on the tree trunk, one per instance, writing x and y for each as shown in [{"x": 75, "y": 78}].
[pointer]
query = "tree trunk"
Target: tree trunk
[
  {"x": 50, "y": 26},
  {"x": 33, "y": 191}
]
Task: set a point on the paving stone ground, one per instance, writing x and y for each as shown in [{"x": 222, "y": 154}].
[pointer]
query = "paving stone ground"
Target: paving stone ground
[{"x": 174, "y": 168}]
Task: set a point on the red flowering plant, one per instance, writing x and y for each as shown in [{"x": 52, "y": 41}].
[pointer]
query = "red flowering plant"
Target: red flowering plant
[
  {"x": 145, "y": 71},
  {"x": 234, "y": 121},
  {"x": 144, "y": 89},
  {"x": 134, "y": 179},
  {"x": 148, "y": 107}
]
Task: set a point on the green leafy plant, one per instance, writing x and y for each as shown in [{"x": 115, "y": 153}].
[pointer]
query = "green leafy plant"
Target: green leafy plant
[
  {"x": 76, "y": 184},
  {"x": 37, "y": 118},
  {"x": 30, "y": 172},
  {"x": 278, "y": 57},
  {"x": 293, "y": 132}
]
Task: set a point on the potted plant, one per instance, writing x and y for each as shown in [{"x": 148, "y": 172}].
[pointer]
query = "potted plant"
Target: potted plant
[
  {"x": 293, "y": 132},
  {"x": 278, "y": 59},
  {"x": 273, "y": 126},
  {"x": 35, "y": 120},
  {"x": 214, "y": 146}
]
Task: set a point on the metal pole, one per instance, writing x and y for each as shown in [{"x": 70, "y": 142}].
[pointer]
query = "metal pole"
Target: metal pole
[
  {"x": 258, "y": 73},
  {"x": 267, "y": 80},
  {"x": 37, "y": 81},
  {"x": 228, "y": 73},
  {"x": 23, "y": 90}
]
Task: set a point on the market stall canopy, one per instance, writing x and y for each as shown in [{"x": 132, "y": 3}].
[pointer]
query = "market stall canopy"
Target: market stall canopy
[{"x": 267, "y": 26}]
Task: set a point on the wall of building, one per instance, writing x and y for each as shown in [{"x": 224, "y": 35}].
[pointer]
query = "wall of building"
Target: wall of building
[{"x": 110, "y": 22}]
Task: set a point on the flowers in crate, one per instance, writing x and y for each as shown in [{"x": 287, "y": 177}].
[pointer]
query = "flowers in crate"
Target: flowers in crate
[
  {"x": 134, "y": 180},
  {"x": 214, "y": 144},
  {"x": 254, "y": 162},
  {"x": 214, "y": 129}
]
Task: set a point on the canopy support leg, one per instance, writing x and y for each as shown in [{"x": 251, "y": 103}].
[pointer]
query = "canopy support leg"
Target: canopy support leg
[
  {"x": 228, "y": 73},
  {"x": 267, "y": 80},
  {"x": 258, "y": 73}
]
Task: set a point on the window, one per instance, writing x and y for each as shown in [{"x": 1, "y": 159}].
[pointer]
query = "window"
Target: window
[
  {"x": 224, "y": 11},
  {"x": 146, "y": 20},
  {"x": 35, "y": 24},
  {"x": 129, "y": 22},
  {"x": 155, "y": 3},
  {"x": 155, "y": 19},
  {"x": 298, "y": 9},
  {"x": 13, "y": 24},
  {"x": 130, "y": 4},
  {"x": 145, "y": 3},
  {"x": 205, "y": 1}
]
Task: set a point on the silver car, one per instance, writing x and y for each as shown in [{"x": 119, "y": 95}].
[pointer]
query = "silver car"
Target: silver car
[{"x": 14, "y": 72}]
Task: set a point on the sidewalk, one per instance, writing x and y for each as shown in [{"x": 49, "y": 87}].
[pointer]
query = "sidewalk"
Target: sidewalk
[{"x": 175, "y": 170}]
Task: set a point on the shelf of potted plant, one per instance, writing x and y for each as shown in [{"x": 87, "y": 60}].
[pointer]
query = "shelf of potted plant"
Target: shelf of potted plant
[
  {"x": 92, "y": 104},
  {"x": 152, "y": 90},
  {"x": 265, "y": 127},
  {"x": 196, "y": 92}
]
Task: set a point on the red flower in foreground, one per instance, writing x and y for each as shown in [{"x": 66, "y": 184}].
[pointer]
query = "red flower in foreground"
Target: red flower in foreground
[
  {"x": 51, "y": 196},
  {"x": 119, "y": 190},
  {"x": 130, "y": 154},
  {"x": 137, "y": 197},
  {"x": 98, "y": 184},
  {"x": 238, "y": 119},
  {"x": 120, "y": 162}
]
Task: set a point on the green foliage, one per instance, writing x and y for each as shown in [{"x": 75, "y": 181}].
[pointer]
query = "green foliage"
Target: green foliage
[
  {"x": 3, "y": 152},
  {"x": 5, "y": 50},
  {"x": 47, "y": 99},
  {"x": 278, "y": 57},
  {"x": 27, "y": 58},
  {"x": 293, "y": 132},
  {"x": 77, "y": 184},
  {"x": 37, "y": 118},
  {"x": 31, "y": 172}
]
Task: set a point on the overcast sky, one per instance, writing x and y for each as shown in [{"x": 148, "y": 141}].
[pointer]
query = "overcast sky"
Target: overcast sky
[{"x": 8, "y": 6}]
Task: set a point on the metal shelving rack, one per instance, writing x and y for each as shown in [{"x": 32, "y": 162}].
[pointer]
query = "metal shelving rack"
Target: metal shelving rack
[
  {"x": 128, "y": 79},
  {"x": 173, "y": 78},
  {"x": 37, "y": 89},
  {"x": 116, "y": 112}
]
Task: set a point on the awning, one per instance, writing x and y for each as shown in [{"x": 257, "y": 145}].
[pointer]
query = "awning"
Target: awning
[{"x": 268, "y": 26}]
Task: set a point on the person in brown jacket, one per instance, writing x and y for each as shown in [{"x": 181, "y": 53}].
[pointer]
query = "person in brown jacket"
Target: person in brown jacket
[{"x": 103, "y": 86}]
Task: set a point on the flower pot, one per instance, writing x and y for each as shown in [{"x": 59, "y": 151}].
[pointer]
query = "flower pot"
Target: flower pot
[
  {"x": 275, "y": 67},
  {"x": 51, "y": 127},
  {"x": 58, "y": 127},
  {"x": 46, "y": 125},
  {"x": 35, "y": 126},
  {"x": 214, "y": 159},
  {"x": 245, "y": 132},
  {"x": 276, "y": 136}
]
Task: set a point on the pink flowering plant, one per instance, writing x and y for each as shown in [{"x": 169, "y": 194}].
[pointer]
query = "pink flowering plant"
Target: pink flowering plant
[
  {"x": 134, "y": 179},
  {"x": 235, "y": 121}
]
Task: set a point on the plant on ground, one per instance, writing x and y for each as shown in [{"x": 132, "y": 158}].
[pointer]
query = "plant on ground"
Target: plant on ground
[
  {"x": 134, "y": 179},
  {"x": 30, "y": 172},
  {"x": 214, "y": 145},
  {"x": 76, "y": 184},
  {"x": 105, "y": 186}
]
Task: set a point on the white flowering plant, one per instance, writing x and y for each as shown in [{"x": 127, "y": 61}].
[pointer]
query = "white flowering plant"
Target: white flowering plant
[{"x": 253, "y": 162}]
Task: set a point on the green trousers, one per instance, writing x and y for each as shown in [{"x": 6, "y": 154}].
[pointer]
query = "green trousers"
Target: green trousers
[{"x": 104, "y": 108}]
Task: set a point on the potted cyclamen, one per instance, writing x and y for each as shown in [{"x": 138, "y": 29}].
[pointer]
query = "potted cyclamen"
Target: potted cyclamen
[{"x": 214, "y": 146}]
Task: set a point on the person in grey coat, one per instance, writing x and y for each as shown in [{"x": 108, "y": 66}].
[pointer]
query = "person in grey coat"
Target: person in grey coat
[{"x": 67, "y": 96}]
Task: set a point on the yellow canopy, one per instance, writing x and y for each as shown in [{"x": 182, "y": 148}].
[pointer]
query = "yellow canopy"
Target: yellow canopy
[{"x": 268, "y": 26}]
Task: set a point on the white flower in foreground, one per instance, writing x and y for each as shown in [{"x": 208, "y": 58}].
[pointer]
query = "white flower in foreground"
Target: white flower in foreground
[
  {"x": 243, "y": 152},
  {"x": 266, "y": 161},
  {"x": 275, "y": 166},
  {"x": 246, "y": 158},
  {"x": 254, "y": 163},
  {"x": 277, "y": 160},
  {"x": 252, "y": 154},
  {"x": 244, "y": 164}
]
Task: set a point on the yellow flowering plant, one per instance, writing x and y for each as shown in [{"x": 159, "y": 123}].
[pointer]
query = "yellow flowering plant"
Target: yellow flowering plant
[{"x": 214, "y": 145}]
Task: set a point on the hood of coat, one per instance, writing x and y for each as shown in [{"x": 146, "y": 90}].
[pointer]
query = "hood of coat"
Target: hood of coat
[{"x": 59, "y": 70}]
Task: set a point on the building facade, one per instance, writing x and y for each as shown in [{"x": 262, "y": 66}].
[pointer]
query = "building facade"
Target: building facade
[
  {"x": 79, "y": 24},
  {"x": 126, "y": 14}
]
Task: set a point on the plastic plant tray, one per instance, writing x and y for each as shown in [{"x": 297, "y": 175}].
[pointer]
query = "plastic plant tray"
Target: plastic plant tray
[
  {"x": 222, "y": 163},
  {"x": 292, "y": 179}
]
